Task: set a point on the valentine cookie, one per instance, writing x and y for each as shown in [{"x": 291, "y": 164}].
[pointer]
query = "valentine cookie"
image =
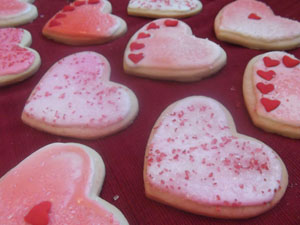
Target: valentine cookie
[
  {"x": 16, "y": 12},
  {"x": 253, "y": 24},
  {"x": 196, "y": 161},
  {"x": 271, "y": 90},
  {"x": 75, "y": 98},
  {"x": 17, "y": 60},
  {"x": 167, "y": 49},
  {"x": 85, "y": 22},
  {"x": 164, "y": 8},
  {"x": 58, "y": 184}
]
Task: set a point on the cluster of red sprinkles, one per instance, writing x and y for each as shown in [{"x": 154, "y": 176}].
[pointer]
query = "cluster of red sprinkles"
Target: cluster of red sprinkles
[
  {"x": 69, "y": 8},
  {"x": 134, "y": 46},
  {"x": 265, "y": 88}
]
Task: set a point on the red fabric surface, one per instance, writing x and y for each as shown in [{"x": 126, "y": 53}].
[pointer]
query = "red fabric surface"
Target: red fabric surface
[{"x": 123, "y": 153}]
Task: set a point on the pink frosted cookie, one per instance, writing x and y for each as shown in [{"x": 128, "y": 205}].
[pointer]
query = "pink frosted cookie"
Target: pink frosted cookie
[
  {"x": 85, "y": 22},
  {"x": 196, "y": 161},
  {"x": 167, "y": 49},
  {"x": 58, "y": 184},
  {"x": 76, "y": 98},
  {"x": 164, "y": 8},
  {"x": 272, "y": 92},
  {"x": 17, "y": 61},
  {"x": 16, "y": 12},
  {"x": 253, "y": 24}
]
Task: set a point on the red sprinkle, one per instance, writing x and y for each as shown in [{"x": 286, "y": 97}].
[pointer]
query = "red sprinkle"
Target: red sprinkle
[
  {"x": 267, "y": 75},
  {"x": 93, "y": 1},
  {"x": 269, "y": 104},
  {"x": 152, "y": 26},
  {"x": 270, "y": 62},
  {"x": 136, "y": 46},
  {"x": 60, "y": 15},
  {"x": 171, "y": 23},
  {"x": 54, "y": 23},
  {"x": 68, "y": 8},
  {"x": 265, "y": 88},
  {"x": 143, "y": 35},
  {"x": 290, "y": 62},
  {"x": 254, "y": 16},
  {"x": 135, "y": 58},
  {"x": 38, "y": 215},
  {"x": 79, "y": 3}
]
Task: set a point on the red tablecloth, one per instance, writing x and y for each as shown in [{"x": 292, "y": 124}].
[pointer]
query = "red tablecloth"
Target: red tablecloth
[{"x": 123, "y": 153}]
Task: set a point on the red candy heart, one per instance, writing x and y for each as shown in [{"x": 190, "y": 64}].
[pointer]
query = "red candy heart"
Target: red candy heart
[
  {"x": 79, "y": 3},
  {"x": 54, "y": 23},
  {"x": 135, "y": 58},
  {"x": 93, "y": 1},
  {"x": 171, "y": 23},
  {"x": 38, "y": 215},
  {"x": 254, "y": 16},
  {"x": 269, "y": 104},
  {"x": 265, "y": 88},
  {"x": 267, "y": 75},
  {"x": 270, "y": 62},
  {"x": 290, "y": 62},
  {"x": 143, "y": 35},
  {"x": 68, "y": 8},
  {"x": 152, "y": 26},
  {"x": 136, "y": 46}
]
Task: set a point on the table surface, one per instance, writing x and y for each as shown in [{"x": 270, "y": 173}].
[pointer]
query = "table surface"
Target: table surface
[{"x": 123, "y": 153}]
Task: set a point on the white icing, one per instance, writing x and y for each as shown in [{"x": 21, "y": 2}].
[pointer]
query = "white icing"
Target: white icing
[{"x": 176, "y": 5}]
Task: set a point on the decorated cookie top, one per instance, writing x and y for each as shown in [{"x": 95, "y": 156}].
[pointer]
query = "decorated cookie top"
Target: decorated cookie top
[
  {"x": 276, "y": 76},
  {"x": 195, "y": 152},
  {"x": 13, "y": 7},
  {"x": 14, "y": 59},
  {"x": 58, "y": 184},
  {"x": 169, "y": 43},
  {"x": 255, "y": 19}
]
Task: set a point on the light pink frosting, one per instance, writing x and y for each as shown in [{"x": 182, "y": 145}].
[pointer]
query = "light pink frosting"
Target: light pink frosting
[
  {"x": 269, "y": 27},
  {"x": 286, "y": 89},
  {"x": 10, "y": 8},
  {"x": 194, "y": 154},
  {"x": 61, "y": 174},
  {"x": 76, "y": 91},
  {"x": 173, "y": 46},
  {"x": 13, "y": 58},
  {"x": 176, "y": 5}
]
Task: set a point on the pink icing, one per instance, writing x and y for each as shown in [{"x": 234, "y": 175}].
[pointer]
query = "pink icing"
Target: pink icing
[
  {"x": 76, "y": 91},
  {"x": 269, "y": 27},
  {"x": 86, "y": 20},
  {"x": 177, "y": 5},
  {"x": 286, "y": 83},
  {"x": 194, "y": 154},
  {"x": 12, "y": 7},
  {"x": 61, "y": 174},
  {"x": 13, "y": 58},
  {"x": 174, "y": 46}
]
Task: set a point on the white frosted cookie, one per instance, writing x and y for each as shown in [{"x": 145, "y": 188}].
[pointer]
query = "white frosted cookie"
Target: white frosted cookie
[
  {"x": 16, "y": 12},
  {"x": 271, "y": 90},
  {"x": 167, "y": 49},
  {"x": 85, "y": 22},
  {"x": 57, "y": 184},
  {"x": 253, "y": 24},
  {"x": 164, "y": 8},
  {"x": 196, "y": 161},
  {"x": 76, "y": 98},
  {"x": 17, "y": 60}
]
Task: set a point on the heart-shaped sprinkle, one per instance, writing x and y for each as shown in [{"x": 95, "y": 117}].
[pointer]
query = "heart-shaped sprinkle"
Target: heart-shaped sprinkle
[
  {"x": 290, "y": 62},
  {"x": 54, "y": 23},
  {"x": 38, "y": 215},
  {"x": 152, "y": 26},
  {"x": 135, "y": 58},
  {"x": 269, "y": 104},
  {"x": 93, "y": 1},
  {"x": 254, "y": 16},
  {"x": 270, "y": 62},
  {"x": 265, "y": 88},
  {"x": 60, "y": 15},
  {"x": 171, "y": 23},
  {"x": 267, "y": 75},
  {"x": 68, "y": 8},
  {"x": 79, "y": 3},
  {"x": 143, "y": 35},
  {"x": 136, "y": 46}
]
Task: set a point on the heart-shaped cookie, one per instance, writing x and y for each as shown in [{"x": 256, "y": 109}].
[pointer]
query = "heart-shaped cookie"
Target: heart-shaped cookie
[
  {"x": 196, "y": 161},
  {"x": 75, "y": 98},
  {"x": 58, "y": 184},
  {"x": 16, "y": 12},
  {"x": 17, "y": 61},
  {"x": 167, "y": 49},
  {"x": 252, "y": 24},
  {"x": 164, "y": 8},
  {"x": 85, "y": 22},
  {"x": 272, "y": 92}
]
